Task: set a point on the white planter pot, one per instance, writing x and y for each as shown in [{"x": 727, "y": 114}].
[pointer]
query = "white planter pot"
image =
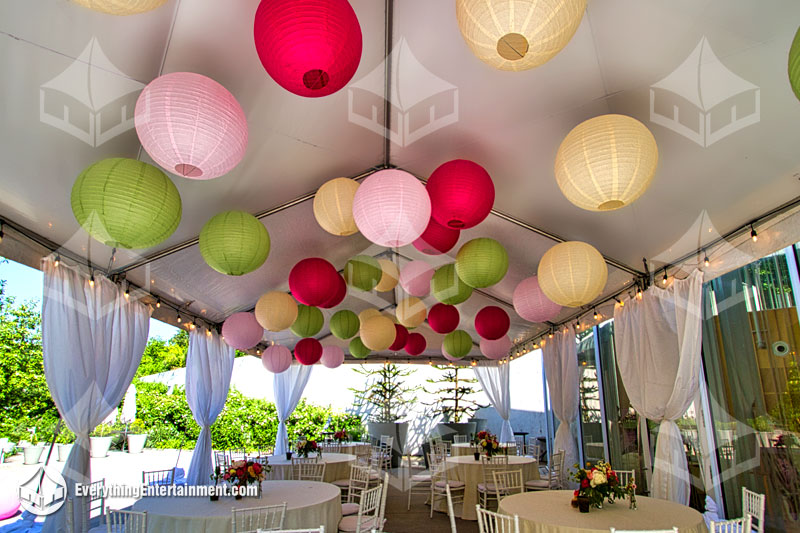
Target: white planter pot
[
  {"x": 32, "y": 454},
  {"x": 98, "y": 446},
  {"x": 63, "y": 451},
  {"x": 136, "y": 442}
]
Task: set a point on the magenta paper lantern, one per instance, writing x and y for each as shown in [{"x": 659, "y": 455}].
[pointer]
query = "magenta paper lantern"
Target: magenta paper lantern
[
  {"x": 462, "y": 194},
  {"x": 391, "y": 208},
  {"x": 311, "y": 48},
  {"x": 415, "y": 344},
  {"x": 443, "y": 318},
  {"x": 276, "y": 359},
  {"x": 332, "y": 356},
  {"x": 496, "y": 349},
  {"x": 491, "y": 322},
  {"x": 531, "y": 304},
  {"x": 415, "y": 278},
  {"x": 308, "y": 351},
  {"x": 338, "y": 296},
  {"x": 400, "y": 338},
  {"x": 436, "y": 239},
  {"x": 191, "y": 125},
  {"x": 242, "y": 331},
  {"x": 313, "y": 281}
]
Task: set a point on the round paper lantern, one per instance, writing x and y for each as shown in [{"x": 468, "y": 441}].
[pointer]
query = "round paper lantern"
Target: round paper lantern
[
  {"x": 338, "y": 296},
  {"x": 276, "y": 311},
  {"x": 400, "y": 338},
  {"x": 276, "y": 359},
  {"x": 443, "y": 318},
  {"x": 368, "y": 313},
  {"x": 191, "y": 125},
  {"x": 572, "y": 273},
  {"x": 333, "y": 206},
  {"x": 389, "y": 275},
  {"x": 9, "y": 500},
  {"x": 308, "y": 351},
  {"x": 531, "y": 304},
  {"x": 309, "y": 321},
  {"x": 491, "y": 322},
  {"x": 447, "y": 287},
  {"x": 415, "y": 344},
  {"x": 344, "y": 324},
  {"x": 313, "y": 281},
  {"x": 242, "y": 331},
  {"x": 606, "y": 162},
  {"x": 377, "y": 333},
  {"x": 496, "y": 349},
  {"x": 309, "y": 48},
  {"x": 518, "y": 34},
  {"x": 332, "y": 356},
  {"x": 391, "y": 208},
  {"x": 125, "y": 203},
  {"x": 794, "y": 64},
  {"x": 234, "y": 243},
  {"x": 457, "y": 343},
  {"x": 411, "y": 312},
  {"x": 448, "y": 356},
  {"x": 481, "y": 262},
  {"x": 461, "y": 193},
  {"x": 436, "y": 239},
  {"x": 121, "y": 7},
  {"x": 357, "y": 349},
  {"x": 362, "y": 272},
  {"x": 415, "y": 278}
]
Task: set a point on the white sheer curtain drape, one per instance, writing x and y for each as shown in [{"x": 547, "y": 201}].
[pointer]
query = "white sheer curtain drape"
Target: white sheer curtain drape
[
  {"x": 93, "y": 338},
  {"x": 658, "y": 341},
  {"x": 209, "y": 365},
  {"x": 560, "y": 356},
  {"x": 495, "y": 382},
  {"x": 289, "y": 386}
]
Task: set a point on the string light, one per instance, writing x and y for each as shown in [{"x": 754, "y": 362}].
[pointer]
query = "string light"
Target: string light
[
  {"x": 193, "y": 325},
  {"x": 706, "y": 262},
  {"x": 258, "y": 352},
  {"x": 639, "y": 293},
  {"x": 753, "y": 234},
  {"x": 57, "y": 261},
  {"x": 127, "y": 292},
  {"x": 91, "y": 280},
  {"x": 473, "y": 362},
  {"x": 158, "y": 303},
  {"x": 550, "y": 335},
  {"x": 596, "y": 316},
  {"x": 179, "y": 318},
  {"x": 664, "y": 279},
  {"x": 2, "y": 234},
  {"x": 208, "y": 332}
]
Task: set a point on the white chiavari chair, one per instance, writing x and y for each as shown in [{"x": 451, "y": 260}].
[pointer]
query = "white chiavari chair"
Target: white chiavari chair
[
  {"x": 753, "y": 504},
  {"x": 417, "y": 483},
  {"x": 736, "y": 525},
  {"x": 440, "y": 481},
  {"x": 358, "y": 483},
  {"x": 267, "y": 518},
  {"x": 308, "y": 471},
  {"x": 125, "y": 521},
  {"x": 519, "y": 440},
  {"x": 158, "y": 477},
  {"x": 366, "y": 519},
  {"x": 460, "y": 439},
  {"x": 490, "y": 465},
  {"x": 507, "y": 482},
  {"x": 450, "y": 513},
  {"x": 625, "y": 476},
  {"x": 554, "y": 478},
  {"x": 491, "y": 522}
]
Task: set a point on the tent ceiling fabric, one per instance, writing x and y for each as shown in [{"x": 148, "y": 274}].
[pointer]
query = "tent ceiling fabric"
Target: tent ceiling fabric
[{"x": 58, "y": 55}]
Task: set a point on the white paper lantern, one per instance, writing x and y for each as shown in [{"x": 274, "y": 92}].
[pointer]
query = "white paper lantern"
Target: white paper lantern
[
  {"x": 572, "y": 273},
  {"x": 333, "y": 206}
]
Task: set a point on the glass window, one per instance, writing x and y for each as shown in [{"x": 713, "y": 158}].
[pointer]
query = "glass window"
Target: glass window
[{"x": 591, "y": 417}]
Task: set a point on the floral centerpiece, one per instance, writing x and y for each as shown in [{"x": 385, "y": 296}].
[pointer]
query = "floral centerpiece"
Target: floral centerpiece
[
  {"x": 304, "y": 447},
  {"x": 242, "y": 473},
  {"x": 597, "y": 483},
  {"x": 340, "y": 436},
  {"x": 488, "y": 443}
]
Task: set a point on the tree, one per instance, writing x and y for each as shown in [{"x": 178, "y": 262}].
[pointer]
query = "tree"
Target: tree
[
  {"x": 162, "y": 356},
  {"x": 453, "y": 393},
  {"x": 384, "y": 394}
]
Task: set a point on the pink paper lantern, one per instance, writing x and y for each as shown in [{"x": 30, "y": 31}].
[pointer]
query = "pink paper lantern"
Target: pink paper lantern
[
  {"x": 338, "y": 296},
  {"x": 332, "y": 356},
  {"x": 400, "y": 338},
  {"x": 461, "y": 193},
  {"x": 415, "y": 344},
  {"x": 242, "y": 331},
  {"x": 443, "y": 318},
  {"x": 415, "y": 278},
  {"x": 191, "y": 125},
  {"x": 313, "y": 281},
  {"x": 531, "y": 304},
  {"x": 308, "y": 351},
  {"x": 391, "y": 208},
  {"x": 491, "y": 322},
  {"x": 436, "y": 239},
  {"x": 309, "y": 47},
  {"x": 496, "y": 349},
  {"x": 9, "y": 500},
  {"x": 276, "y": 359}
]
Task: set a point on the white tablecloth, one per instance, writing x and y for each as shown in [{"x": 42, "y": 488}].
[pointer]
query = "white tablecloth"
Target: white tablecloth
[
  {"x": 550, "y": 512},
  {"x": 356, "y": 447},
  {"x": 465, "y": 448},
  {"x": 309, "y": 504},
  {"x": 337, "y": 466}
]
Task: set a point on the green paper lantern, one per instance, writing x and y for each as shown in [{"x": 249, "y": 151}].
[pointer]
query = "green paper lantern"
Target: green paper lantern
[
  {"x": 234, "y": 243},
  {"x": 309, "y": 321},
  {"x": 357, "y": 349},
  {"x": 125, "y": 203},
  {"x": 447, "y": 287},
  {"x": 481, "y": 262},
  {"x": 794, "y": 64},
  {"x": 344, "y": 324},
  {"x": 457, "y": 343},
  {"x": 362, "y": 272}
]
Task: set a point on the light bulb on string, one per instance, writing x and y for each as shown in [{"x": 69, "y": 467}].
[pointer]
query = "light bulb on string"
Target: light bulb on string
[
  {"x": 753, "y": 233},
  {"x": 127, "y": 292},
  {"x": 91, "y": 280},
  {"x": 665, "y": 278},
  {"x": 158, "y": 303},
  {"x": 2, "y": 234},
  {"x": 706, "y": 261},
  {"x": 596, "y": 316},
  {"x": 179, "y": 319},
  {"x": 57, "y": 261}
]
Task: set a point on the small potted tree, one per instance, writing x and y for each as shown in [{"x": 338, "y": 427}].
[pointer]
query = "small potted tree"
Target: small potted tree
[
  {"x": 454, "y": 404},
  {"x": 32, "y": 451},
  {"x": 137, "y": 436},
  {"x": 64, "y": 443},
  {"x": 100, "y": 440}
]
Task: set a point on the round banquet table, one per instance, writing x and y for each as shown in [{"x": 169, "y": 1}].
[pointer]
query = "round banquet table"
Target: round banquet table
[
  {"x": 465, "y": 448},
  {"x": 337, "y": 466},
  {"x": 465, "y": 468},
  {"x": 549, "y": 511},
  {"x": 354, "y": 448},
  {"x": 309, "y": 504}
]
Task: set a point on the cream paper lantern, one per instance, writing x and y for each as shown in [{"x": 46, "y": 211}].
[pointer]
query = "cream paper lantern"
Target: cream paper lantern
[
  {"x": 377, "y": 333},
  {"x": 518, "y": 34},
  {"x": 390, "y": 274},
  {"x": 606, "y": 162},
  {"x": 572, "y": 273},
  {"x": 121, "y": 7},
  {"x": 368, "y": 313},
  {"x": 411, "y": 312},
  {"x": 276, "y": 311},
  {"x": 333, "y": 206}
]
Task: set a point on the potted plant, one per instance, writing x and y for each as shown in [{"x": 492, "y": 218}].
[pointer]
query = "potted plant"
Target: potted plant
[
  {"x": 454, "y": 403},
  {"x": 100, "y": 440},
  {"x": 31, "y": 450},
  {"x": 136, "y": 437},
  {"x": 64, "y": 443}
]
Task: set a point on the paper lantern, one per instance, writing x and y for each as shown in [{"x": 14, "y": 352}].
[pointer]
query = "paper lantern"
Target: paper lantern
[
  {"x": 344, "y": 324},
  {"x": 308, "y": 351},
  {"x": 415, "y": 278},
  {"x": 572, "y": 273},
  {"x": 606, "y": 162},
  {"x": 357, "y": 349},
  {"x": 338, "y": 296},
  {"x": 794, "y": 64},
  {"x": 436, "y": 239},
  {"x": 362, "y": 272},
  {"x": 332, "y": 357},
  {"x": 313, "y": 281},
  {"x": 415, "y": 344},
  {"x": 276, "y": 311},
  {"x": 458, "y": 343},
  {"x": 400, "y": 338},
  {"x": 518, "y": 34},
  {"x": 411, "y": 312},
  {"x": 234, "y": 243},
  {"x": 9, "y": 500},
  {"x": 447, "y": 287},
  {"x": 461, "y": 193},
  {"x": 368, "y": 313},
  {"x": 309, "y": 321},
  {"x": 497, "y": 349},
  {"x": 310, "y": 48},
  {"x": 443, "y": 318},
  {"x": 391, "y": 208},
  {"x": 276, "y": 359},
  {"x": 125, "y": 203},
  {"x": 377, "y": 333},
  {"x": 491, "y": 322},
  {"x": 481, "y": 262},
  {"x": 448, "y": 356},
  {"x": 242, "y": 331},
  {"x": 389, "y": 275},
  {"x": 121, "y": 7},
  {"x": 333, "y": 206},
  {"x": 531, "y": 304}
]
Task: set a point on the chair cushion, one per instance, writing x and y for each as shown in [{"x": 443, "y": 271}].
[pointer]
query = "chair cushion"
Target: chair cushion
[
  {"x": 538, "y": 484},
  {"x": 486, "y": 487},
  {"x": 349, "y": 508},
  {"x": 421, "y": 477},
  {"x": 350, "y": 523},
  {"x": 374, "y": 476},
  {"x": 453, "y": 484},
  {"x": 344, "y": 483}
]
